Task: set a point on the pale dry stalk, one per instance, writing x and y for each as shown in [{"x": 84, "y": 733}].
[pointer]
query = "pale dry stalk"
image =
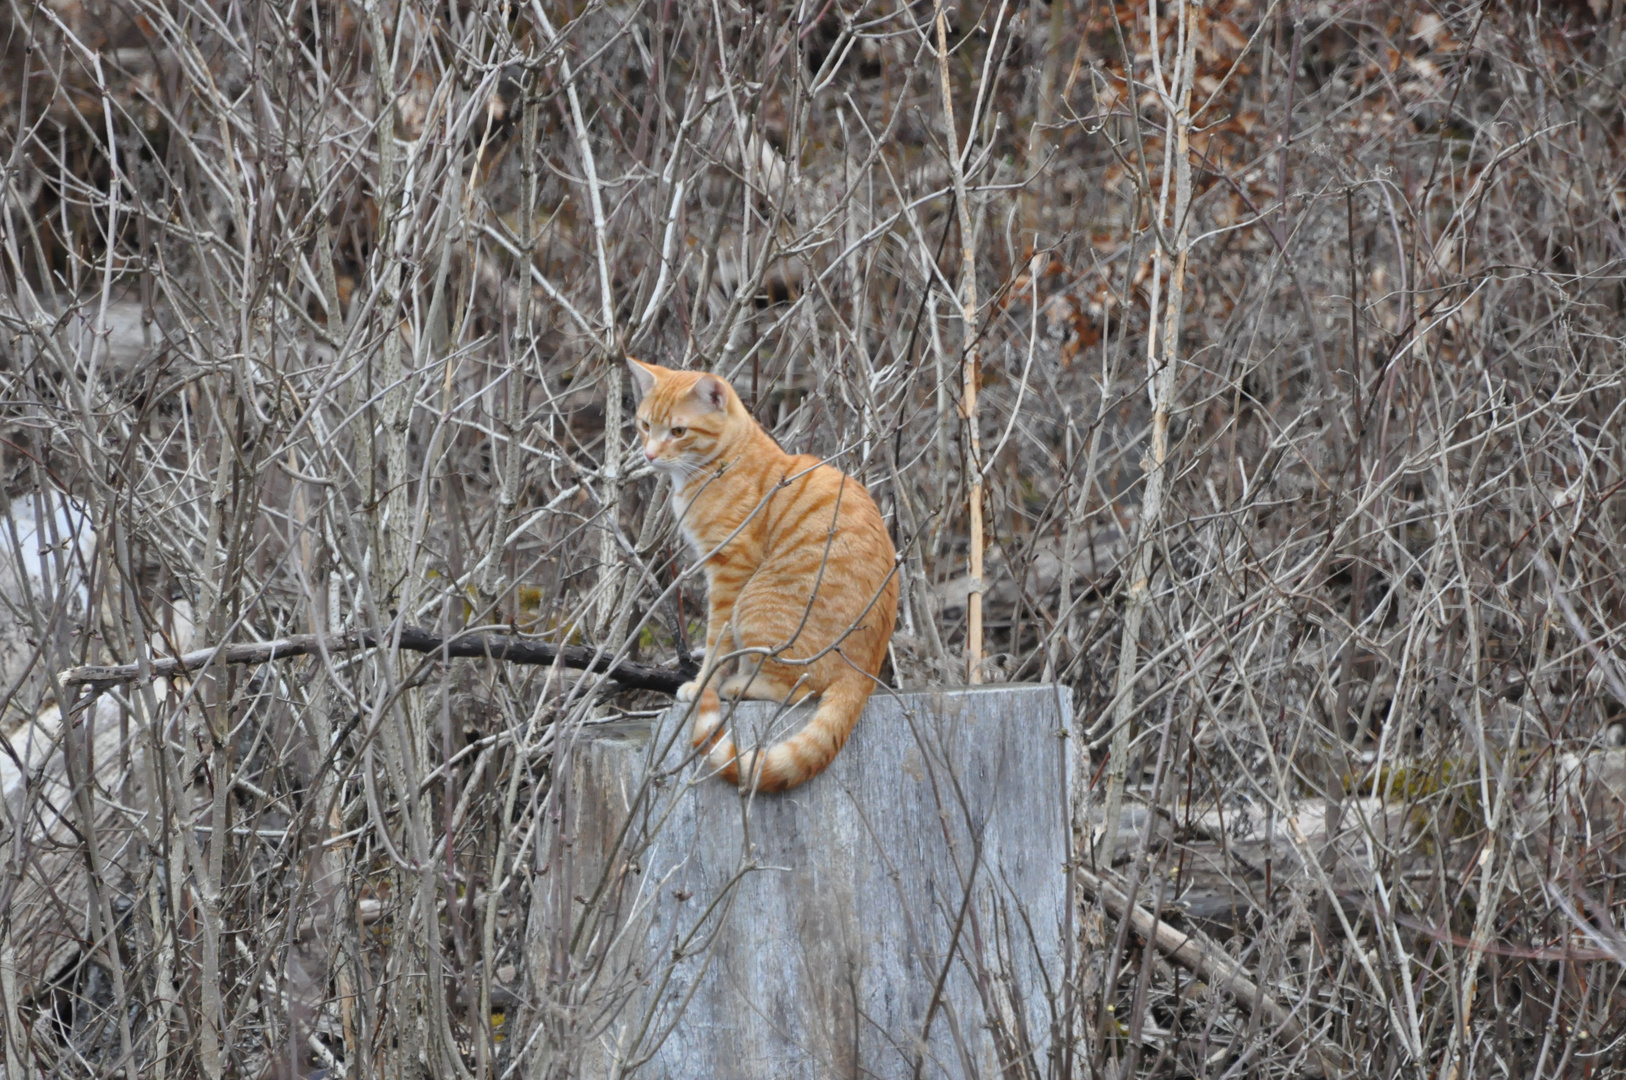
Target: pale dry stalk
[
  {"x": 492, "y": 583},
  {"x": 970, "y": 371},
  {"x": 610, "y": 573},
  {"x": 1172, "y": 231}
]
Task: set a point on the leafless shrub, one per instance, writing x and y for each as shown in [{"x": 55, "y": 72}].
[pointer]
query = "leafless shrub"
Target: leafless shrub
[{"x": 312, "y": 322}]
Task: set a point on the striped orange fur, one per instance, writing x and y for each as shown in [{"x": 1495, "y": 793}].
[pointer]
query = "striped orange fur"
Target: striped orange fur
[{"x": 799, "y": 570}]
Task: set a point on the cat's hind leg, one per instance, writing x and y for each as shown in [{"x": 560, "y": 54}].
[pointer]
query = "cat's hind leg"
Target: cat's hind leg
[{"x": 758, "y": 681}]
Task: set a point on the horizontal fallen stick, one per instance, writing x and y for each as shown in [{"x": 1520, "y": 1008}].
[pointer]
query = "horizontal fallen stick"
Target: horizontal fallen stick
[
  {"x": 1218, "y": 970},
  {"x": 467, "y": 646}
]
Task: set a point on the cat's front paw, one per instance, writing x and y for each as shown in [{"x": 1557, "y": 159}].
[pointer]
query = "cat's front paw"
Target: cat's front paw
[{"x": 689, "y": 690}]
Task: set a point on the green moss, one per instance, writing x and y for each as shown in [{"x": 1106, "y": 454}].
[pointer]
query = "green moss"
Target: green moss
[{"x": 1445, "y": 792}]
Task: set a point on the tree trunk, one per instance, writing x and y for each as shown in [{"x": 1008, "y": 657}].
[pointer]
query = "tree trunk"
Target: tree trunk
[{"x": 904, "y": 914}]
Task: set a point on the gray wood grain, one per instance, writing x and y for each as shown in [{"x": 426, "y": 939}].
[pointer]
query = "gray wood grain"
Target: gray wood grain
[{"x": 903, "y": 914}]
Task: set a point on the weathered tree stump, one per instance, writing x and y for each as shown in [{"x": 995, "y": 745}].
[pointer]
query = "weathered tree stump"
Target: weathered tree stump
[{"x": 905, "y": 914}]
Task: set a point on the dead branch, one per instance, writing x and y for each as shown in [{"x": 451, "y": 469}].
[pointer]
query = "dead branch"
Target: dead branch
[
  {"x": 1219, "y": 971},
  {"x": 456, "y": 647}
]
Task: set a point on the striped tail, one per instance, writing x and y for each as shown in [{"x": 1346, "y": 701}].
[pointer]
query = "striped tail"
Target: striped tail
[
  {"x": 799, "y": 758},
  {"x": 708, "y": 719}
]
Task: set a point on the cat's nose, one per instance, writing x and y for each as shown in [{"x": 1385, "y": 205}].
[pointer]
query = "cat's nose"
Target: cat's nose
[{"x": 649, "y": 455}]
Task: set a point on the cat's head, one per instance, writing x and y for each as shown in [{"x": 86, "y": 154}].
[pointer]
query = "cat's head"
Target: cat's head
[{"x": 685, "y": 418}]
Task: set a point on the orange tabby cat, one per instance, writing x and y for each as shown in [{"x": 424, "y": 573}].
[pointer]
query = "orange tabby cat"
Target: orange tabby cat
[{"x": 798, "y": 564}]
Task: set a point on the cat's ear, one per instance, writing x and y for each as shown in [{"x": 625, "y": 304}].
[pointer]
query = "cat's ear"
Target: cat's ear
[
  {"x": 712, "y": 392},
  {"x": 643, "y": 377}
]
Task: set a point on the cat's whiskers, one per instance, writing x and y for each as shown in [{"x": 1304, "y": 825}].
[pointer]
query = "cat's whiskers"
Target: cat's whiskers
[{"x": 683, "y": 472}]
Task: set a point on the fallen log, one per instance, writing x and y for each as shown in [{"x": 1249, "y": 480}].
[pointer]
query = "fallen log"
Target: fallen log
[{"x": 1218, "y": 970}]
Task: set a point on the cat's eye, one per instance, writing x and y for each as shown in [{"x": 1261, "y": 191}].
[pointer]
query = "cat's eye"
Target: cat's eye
[
  {"x": 679, "y": 432},
  {"x": 643, "y": 425}
]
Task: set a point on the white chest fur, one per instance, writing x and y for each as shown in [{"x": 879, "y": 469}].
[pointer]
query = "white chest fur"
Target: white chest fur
[{"x": 680, "y": 513}]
